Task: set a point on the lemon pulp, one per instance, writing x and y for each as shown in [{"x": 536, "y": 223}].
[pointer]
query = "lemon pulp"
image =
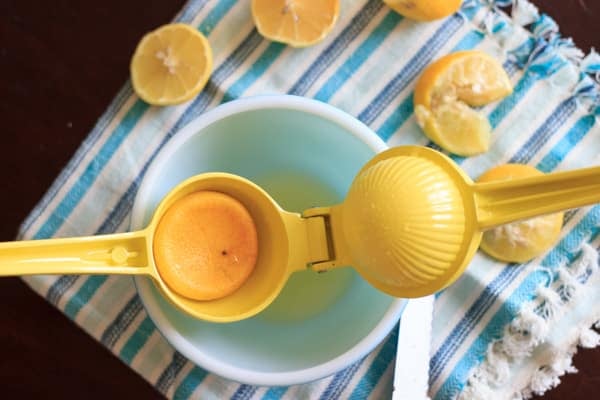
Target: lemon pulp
[
  {"x": 445, "y": 93},
  {"x": 298, "y": 23},
  {"x": 171, "y": 64}
]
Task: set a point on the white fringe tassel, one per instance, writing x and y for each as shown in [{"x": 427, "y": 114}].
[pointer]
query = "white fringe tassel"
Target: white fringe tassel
[{"x": 529, "y": 331}]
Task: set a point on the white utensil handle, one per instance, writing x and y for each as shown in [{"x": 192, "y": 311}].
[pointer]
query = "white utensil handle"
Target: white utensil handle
[{"x": 411, "y": 376}]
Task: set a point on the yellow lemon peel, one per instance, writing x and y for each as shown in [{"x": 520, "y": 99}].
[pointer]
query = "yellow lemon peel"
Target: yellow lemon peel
[
  {"x": 523, "y": 240},
  {"x": 445, "y": 93},
  {"x": 424, "y": 10}
]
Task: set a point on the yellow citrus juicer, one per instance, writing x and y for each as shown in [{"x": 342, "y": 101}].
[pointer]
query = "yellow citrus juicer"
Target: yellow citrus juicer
[{"x": 410, "y": 224}]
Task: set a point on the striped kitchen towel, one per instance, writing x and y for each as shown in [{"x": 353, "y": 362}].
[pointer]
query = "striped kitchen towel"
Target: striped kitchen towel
[{"x": 502, "y": 331}]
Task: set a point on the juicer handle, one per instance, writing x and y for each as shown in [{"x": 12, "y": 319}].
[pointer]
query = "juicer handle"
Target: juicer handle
[
  {"x": 121, "y": 253},
  {"x": 508, "y": 201}
]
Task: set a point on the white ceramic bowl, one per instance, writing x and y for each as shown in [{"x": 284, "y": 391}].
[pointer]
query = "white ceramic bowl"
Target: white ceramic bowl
[{"x": 304, "y": 153}]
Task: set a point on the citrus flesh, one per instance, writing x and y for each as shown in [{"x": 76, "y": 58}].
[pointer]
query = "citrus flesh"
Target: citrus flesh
[
  {"x": 205, "y": 245},
  {"x": 445, "y": 93},
  {"x": 298, "y": 23},
  {"x": 171, "y": 64},
  {"x": 424, "y": 10},
  {"x": 520, "y": 241}
]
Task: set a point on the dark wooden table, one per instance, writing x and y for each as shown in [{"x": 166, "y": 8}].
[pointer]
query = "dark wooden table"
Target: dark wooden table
[{"x": 61, "y": 62}]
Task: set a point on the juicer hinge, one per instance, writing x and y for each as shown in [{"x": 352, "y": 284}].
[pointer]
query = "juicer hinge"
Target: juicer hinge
[{"x": 321, "y": 243}]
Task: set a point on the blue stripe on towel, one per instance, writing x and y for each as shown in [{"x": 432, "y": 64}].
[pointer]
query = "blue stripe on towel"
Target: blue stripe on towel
[
  {"x": 254, "y": 72},
  {"x": 128, "y": 313},
  {"x": 340, "y": 379},
  {"x": 337, "y": 46},
  {"x": 566, "y": 143},
  {"x": 411, "y": 69},
  {"x": 244, "y": 392},
  {"x": 382, "y": 361},
  {"x": 545, "y": 131},
  {"x": 358, "y": 57},
  {"x": 275, "y": 393},
  {"x": 166, "y": 379}
]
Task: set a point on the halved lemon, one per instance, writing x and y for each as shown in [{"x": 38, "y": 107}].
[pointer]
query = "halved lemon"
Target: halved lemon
[
  {"x": 205, "y": 245},
  {"x": 299, "y": 23},
  {"x": 445, "y": 93},
  {"x": 171, "y": 64},
  {"x": 424, "y": 10},
  {"x": 524, "y": 240}
]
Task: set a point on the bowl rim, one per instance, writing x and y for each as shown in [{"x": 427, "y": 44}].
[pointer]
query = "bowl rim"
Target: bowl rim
[{"x": 376, "y": 335}]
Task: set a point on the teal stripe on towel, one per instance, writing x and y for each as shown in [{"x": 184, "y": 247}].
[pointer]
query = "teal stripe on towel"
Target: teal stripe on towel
[
  {"x": 358, "y": 57},
  {"x": 275, "y": 393},
  {"x": 84, "y": 295},
  {"x": 266, "y": 59},
  {"x": 189, "y": 384},
  {"x": 574, "y": 135},
  {"x": 382, "y": 362},
  {"x": 215, "y": 16},
  {"x": 137, "y": 340}
]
